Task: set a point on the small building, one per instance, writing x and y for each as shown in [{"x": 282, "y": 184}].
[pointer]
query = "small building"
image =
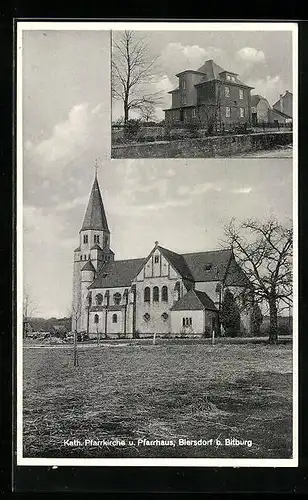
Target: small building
[
  {"x": 212, "y": 96},
  {"x": 194, "y": 313}
]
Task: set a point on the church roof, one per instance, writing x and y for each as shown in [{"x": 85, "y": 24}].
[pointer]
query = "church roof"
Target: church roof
[
  {"x": 215, "y": 265},
  {"x": 208, "y": 266},
  {"x": 88, "y": 266},
  {"x": 194, "y": 300},
  {"x": 95, "y": 217},
  {"x": 117, "y": 273},
  {"x": 177, "y": 261}
]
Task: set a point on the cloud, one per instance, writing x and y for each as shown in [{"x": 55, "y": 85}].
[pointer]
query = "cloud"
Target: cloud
[
  {"x": 269, "y": 87},
  {"x": 250, "y": 55},
  {"x": 243, "y": 190},
  {"x": 198, "y": 189},
  {"x": 177, "y": 57},
  {"x": 69, "y": 139}
]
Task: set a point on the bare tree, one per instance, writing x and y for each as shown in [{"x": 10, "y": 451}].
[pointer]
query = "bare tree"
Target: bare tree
[
  {"x": 147, "y": 112},
  {"x": 264, "y": 251},
  {"x": 132, "y": 73},
  {"x": 28, "y": 310},
  {"x": 76, "y": 314}
]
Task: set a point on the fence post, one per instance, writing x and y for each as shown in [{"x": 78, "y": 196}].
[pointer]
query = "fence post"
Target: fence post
[
  {"x": 154, "y": 338},
  {"x": 213, "y": 337}
]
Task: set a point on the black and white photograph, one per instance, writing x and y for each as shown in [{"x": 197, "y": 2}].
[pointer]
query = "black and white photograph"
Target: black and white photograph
[
  {"x": 202, "y": 94},
  {"x": 157, "y": 299}
]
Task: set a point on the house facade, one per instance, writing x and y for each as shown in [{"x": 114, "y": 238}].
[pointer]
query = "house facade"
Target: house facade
[
  {"x": 165, "y": 292},
  {"x": 285, "y": 104},
  {"x": 211, "y": 96},
  {"x": 280, "y": 113}
]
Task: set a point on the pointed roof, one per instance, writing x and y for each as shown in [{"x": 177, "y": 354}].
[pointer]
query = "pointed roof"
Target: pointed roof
[
  {"x": 88, "y": 266},
  {"x": 95, "y": 217},
  {"x": 194, "y": 300}
]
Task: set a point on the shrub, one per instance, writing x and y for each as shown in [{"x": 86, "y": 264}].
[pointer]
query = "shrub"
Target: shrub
[{"x": 230, "y": 315}]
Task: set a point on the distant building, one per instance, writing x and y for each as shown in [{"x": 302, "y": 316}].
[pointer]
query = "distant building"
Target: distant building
[
  {"x": 211, "y": 95},
  {"x": 285, "y": 104},
  {"x": 259, "y": 109},
  {"x": 263, "y": 113},
  {"x": 164, "y": 292}
]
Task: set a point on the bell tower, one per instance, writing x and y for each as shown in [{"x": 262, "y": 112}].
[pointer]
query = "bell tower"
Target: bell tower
[{"x": 93, "y": 250}]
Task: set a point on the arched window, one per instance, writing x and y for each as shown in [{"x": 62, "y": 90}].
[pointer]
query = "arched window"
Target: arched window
[
  {"x": 117, "y": 298},
  {"x": 164, "y": 294},
  {"x": 155, "y": 294},
  {"x": 96, "y": 318},
  {"x": 99, "y": 299},
  {"x": 147, "y": 294},
  {"x": 146, "y": 317},
  {"x": 114, "y": 318}
]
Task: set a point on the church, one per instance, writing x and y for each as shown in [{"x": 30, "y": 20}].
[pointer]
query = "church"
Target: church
[{"x": 164, "y": 293}]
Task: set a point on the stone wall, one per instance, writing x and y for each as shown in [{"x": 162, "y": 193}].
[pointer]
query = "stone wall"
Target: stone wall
[{"x": 209, "y": 147}]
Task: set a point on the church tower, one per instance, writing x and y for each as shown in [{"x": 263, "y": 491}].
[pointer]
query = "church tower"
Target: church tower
[{"x": 90, "y": 256}]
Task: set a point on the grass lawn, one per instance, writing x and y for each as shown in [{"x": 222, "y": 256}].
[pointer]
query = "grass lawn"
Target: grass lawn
[{"x": 159, "y": 392}]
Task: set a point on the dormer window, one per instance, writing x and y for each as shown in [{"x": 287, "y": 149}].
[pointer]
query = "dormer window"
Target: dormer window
[
  {"x": 228, "y": 77},
  {"x": 208, "y": 267},
  {"x": 85, "y": 238},
  {"x": 156, "y": 259},
  {"x": 233, "y": 78}
]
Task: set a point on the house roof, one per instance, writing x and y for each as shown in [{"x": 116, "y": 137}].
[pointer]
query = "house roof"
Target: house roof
[
  {"x": 236, "y": 276},
  {"x": 118, "y": 273},
  {"x": 88, "y": 266},
  {"x": 284, "y": 115},
  {"x": 256, "y": 98},
  {"x": 95, "y": 217},
  {"x": 194, "y": 300}
]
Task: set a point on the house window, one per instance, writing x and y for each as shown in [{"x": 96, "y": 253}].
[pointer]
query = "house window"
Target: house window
[
  {"x": 183, "y": 84},
  {"x": 241, "y": 92},
  {"x": 155, "y": 294},
  {"x": 156, "y": 259},
  {"x": 147, "y": 294},
  {"x": 96, "y": 238},
  {"x": 227, "y": 91},
  {"x": 187, "y": 321},
  {"x": 165, "y": 316},
  {"x": 242, "y": 112},
  {"x": 228, "y": 112},
  {"x": 117, "y": 298},
  {"x": 184, "y": 99},
  {"x": 114, "y": 318},
  {"x": 208, "y": 267},
  {"x": 164, "y": 294},
  {"x": 233, "y": 78},
  {"x": 228, "y": 77},
  {"x": 85, "y": 238},
  {"x": 96, "y": 318}
]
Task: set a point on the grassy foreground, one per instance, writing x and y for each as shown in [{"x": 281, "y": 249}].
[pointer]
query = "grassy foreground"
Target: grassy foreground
[{"x": 158, "y": 392}]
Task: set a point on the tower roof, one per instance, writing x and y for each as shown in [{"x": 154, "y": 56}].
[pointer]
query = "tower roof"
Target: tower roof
[{"x": 95, "y": 217}]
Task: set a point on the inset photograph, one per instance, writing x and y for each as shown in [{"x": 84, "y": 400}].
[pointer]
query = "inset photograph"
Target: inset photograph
[{"x": 193, "y": 94}]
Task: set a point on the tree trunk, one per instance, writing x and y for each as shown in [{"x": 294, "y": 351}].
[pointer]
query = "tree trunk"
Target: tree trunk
[
  {"x": 273, "y": 331},
  {"x": 126, "y": 110}
]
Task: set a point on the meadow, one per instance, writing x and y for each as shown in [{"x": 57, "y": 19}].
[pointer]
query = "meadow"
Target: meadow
[{"x": 158, "y": 392}]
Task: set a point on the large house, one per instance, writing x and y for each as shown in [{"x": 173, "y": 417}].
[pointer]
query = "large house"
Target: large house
[
  {"x": 215, "y": 97},
  {"x": 165, "y": 292}
]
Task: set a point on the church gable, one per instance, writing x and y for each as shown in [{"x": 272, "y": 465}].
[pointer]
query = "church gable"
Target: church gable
[{"x": 157, "y": 265}]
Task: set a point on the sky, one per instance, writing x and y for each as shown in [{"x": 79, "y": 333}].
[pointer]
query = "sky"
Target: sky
[
  {"x": 262, "y": 59},
  {"x": 66, "y": 126}
]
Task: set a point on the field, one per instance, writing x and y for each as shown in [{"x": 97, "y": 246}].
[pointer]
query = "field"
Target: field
[{"x": 158, "y": 392}]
